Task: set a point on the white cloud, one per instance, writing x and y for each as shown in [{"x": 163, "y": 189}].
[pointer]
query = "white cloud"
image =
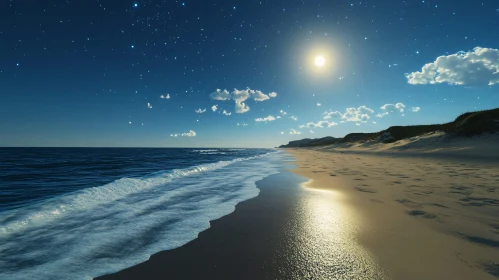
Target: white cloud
[
  {"x": 165, "y": 97},
  {"x": 191, "y": 133},
  {"x": 318, "y": 104},
  {"x": 226, "y": 113},
  {"x": 220, "y": 95},
  {"x": 374, "y": 122},
  {"x": 311, "y": 131},
  {"x": 416, "y": 109},
  {"x": 319, "y": 124},
  {"x": 359, "y": 114},
  {"x": 200, "y": 111},
  {"x": 294, "y": 118},
  {"x": 267, "y": 119},
  {"x": 149, "y": 105},
  {"x": 283, "y": 113},
  {"x": 240, "y": 96},
  {"x": 241, "y": 107},
  {"x": 259, "y": 96},
  {"x": 282, "y": 132},
  {"x": 278, "y": 117},
  {"x": 479, "y": 66},
  {"x": 294, "y": 132},
  {"x": 214, "y": 108},
  {"x": 391, "y": 108}
]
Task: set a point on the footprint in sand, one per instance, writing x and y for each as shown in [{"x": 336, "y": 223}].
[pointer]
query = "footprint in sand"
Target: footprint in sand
[
  {"x": 479, "y": 201},
  {"x": 409, "y": 203},
  {"x": 461, "y": 190},
  {"x": 421, "y": 213},
  {"x": 366, "y": 190}
]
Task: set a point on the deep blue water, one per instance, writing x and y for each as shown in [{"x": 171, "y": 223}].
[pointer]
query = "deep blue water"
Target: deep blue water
[
  {"x": 28, "y": 175},
  {"x": 77, "y": 213}
]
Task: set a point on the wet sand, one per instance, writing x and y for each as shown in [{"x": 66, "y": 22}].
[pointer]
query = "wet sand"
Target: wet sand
[
  {"x": 351, "y": 216},
  {"x": 425, "y": 217},
  {"x": 287, "y": 232}
]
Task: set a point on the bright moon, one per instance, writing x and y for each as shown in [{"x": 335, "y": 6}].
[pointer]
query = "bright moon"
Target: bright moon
[{"x": 320, "y": 61}]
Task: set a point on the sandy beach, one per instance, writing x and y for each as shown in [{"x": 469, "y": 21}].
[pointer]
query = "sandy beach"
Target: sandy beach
[
  {"x": 356, "y": 211},
  {"x": 428, "y": 212}
]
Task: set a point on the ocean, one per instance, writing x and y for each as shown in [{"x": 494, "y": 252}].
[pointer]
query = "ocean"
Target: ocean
[{"x": 79, "y": 213}]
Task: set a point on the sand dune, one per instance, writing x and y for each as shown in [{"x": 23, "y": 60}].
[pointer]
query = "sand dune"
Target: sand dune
[{"x": 430, "y": 205}]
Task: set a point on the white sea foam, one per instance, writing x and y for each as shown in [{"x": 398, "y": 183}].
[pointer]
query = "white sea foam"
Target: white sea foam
[
  {"x": 108, "y": 228},
  {"x": 205, "y": 151}
]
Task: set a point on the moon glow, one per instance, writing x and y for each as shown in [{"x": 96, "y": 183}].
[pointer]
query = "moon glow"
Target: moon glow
[{"x": 320, "y": 61}]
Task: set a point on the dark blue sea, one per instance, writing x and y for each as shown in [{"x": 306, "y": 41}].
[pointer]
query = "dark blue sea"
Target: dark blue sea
[{"x": 78, "y": 213}]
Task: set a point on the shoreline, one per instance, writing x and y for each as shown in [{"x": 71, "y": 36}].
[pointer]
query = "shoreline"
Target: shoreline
[
  {"x": 287, "y": 232},
  {"x": 345, "y": 215},
  {"x": 217, "y": 251},
  {"x": 412, "y": 227}
]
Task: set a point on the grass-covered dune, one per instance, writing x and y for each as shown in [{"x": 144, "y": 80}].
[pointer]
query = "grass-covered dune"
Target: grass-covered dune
[{"x": 465, "y": 125}]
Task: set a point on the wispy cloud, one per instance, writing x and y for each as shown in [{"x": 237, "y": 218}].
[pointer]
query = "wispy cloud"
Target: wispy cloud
[
  {"x": 359, "y": 114},
  {"x": 393, "y": 108},
  {"x": 191, "y": 133},
  {"x": 226, "y": 113},
  {"x": 283, "y": 113},
  {"x": 220, "y": 95},
  {"x": 266, "y": 119},
  {"x": 200, "y": 111},
  {"x": 214, "y": 108},
  {"x": 320, "y": 124},
  {"x": 240, "y": 96},
  {"x": 416, "y": 109},
  {"x": 294, "y": 118},
  {"x": 479, "y": 66},
  {"x": 294, "y": 132},
  {"x": 390, "y": 109},
  {"x": 149, "y": 105},
  {"x": 165, "y": 96}
]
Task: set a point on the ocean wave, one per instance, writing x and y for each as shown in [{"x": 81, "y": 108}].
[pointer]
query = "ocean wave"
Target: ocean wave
[
  {"x": 108, "y": 228},
  {"x": 91, "y": 197}
]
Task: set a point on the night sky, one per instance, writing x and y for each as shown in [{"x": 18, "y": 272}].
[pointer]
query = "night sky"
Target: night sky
[{"x": 238, "y": 73}]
